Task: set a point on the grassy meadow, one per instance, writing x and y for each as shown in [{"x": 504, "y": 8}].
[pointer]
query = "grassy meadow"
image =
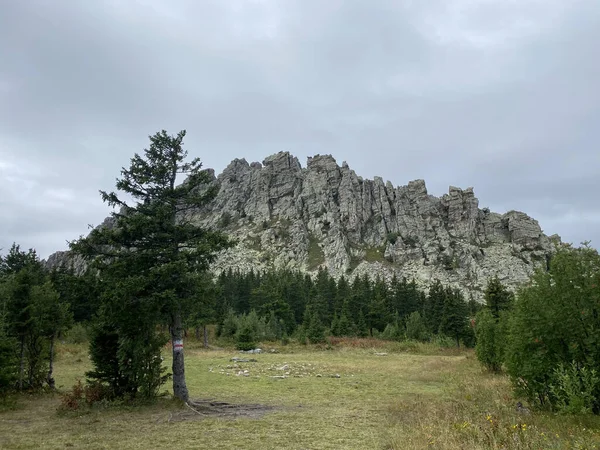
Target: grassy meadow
[{"x": 357, "y": 394}]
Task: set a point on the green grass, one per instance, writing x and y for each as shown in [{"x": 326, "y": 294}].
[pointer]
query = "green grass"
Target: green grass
[
  {"x": 375, "y": 254},
  {"x": 316, "y": 257},
  {"x": 414, "y": 396}
]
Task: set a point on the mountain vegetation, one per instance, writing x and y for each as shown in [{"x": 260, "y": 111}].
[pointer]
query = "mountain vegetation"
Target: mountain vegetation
[{"x": 164, "y": 267}]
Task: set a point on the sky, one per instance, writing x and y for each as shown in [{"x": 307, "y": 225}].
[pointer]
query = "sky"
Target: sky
[{"x": 500, "y": 95}]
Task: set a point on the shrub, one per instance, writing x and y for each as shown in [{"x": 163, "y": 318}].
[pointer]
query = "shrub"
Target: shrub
[
  {"x": 555, "y": 322},
  {"x": 392, "y": 237},
  {"x": 77, "y": 334},
  {"x": 225, "y": 220},
  {"x": 127, "y": 367},
  {"x": 443, "y": 341},
  {"x": 574, "y": 388},
  {"x": 490, "y": 340},
  {"x": 392, "y": 332},
  {"x": 8, "y": 361},
  {"x": 73, "y": 399},
  {"x": 84, "y": 394},
  {"x": 245, "y": 339},
  {"x": 416, "y": 328},
  {"x": 229, "y": 327}
]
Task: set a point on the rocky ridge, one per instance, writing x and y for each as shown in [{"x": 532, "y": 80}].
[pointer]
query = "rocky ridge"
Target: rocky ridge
[
  {"x": 324, "y": 215},
  {"x": 327, "y": 216}
]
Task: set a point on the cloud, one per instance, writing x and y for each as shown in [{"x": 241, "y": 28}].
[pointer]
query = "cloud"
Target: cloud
[{"x": 499, "y": 95}]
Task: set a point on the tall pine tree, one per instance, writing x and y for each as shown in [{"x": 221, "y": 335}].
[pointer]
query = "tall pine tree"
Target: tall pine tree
[{"x": 155, "y": 244}]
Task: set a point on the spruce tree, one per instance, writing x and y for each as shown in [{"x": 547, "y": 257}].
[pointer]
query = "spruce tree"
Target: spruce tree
[
  {"x": 155, "y": 250},
  {"x": 454, "y": 320},
  {"x": 497, "y": 297}
]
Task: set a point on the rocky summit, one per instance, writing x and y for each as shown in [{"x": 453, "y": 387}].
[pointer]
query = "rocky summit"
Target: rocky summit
[{"x": 326, "y": 216}]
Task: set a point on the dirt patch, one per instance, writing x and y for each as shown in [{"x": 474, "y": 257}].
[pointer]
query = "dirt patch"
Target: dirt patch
[{"x": 201, "y": 409}]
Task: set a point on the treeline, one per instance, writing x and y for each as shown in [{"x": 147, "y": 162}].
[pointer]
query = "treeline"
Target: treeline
[
  {"x": 33, "y": 313},
  {"x": 547, "y": 337},
  {"x": 282, "y": 304}
]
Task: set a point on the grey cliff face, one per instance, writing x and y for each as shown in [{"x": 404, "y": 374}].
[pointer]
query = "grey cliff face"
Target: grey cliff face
[{"x": 324, "y": 215}]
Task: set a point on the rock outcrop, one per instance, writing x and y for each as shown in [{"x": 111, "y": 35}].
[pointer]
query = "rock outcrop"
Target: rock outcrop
[{"x": 324, "y": 215}]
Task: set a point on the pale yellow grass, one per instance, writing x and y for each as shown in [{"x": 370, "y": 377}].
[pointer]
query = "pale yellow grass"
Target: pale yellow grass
[{"x": 434, "y": 399}]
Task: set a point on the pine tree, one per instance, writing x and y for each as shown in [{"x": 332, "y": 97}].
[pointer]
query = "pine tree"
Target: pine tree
[
  {"x": 433, "y": 309},
  {"x": 22, "y": 272},
  {"x": 203, "y": 309},
  {"x": 454, "y": 320},
  {"x": 9, "y": 372},
  {"x": 155, "y": 250},
  {"x": 377, "y": 310},
  {"x": 497, "y": 297}
]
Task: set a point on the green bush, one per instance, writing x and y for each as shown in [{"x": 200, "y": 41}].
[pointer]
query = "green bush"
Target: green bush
[
  {"x": 490, "y": 340},
  {"x": 392, "y": 332},
  {"x": 8, "y": 361},
  {"x": 392, "y": 237},
  {"x": 78, "y": 334},
  {"x": 555, "y": 322},
  {"x": 128, "y": 367},
  {"x": 443, "y": 341},
  {"x": 229, "y": 327},
  {"x": 415, "y": 327},
  {"x": 574, "y": 388},
  {"x": 245, "y": 338}
]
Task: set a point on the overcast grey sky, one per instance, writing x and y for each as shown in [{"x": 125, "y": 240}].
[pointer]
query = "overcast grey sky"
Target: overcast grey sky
[{"x": 501, "y": 95}]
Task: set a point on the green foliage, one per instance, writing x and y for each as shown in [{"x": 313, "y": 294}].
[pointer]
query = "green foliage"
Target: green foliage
[
  {"x": 497, "y": 297},
  {"x": 225, "y": 220},
  {"x": 229, "y": 327},
  {"x": 410, "y": 241},
  {"x": 575, "y": 389},
  {"x": 33, "y": 316},
  {"x": 454, "y": 320},
  {"x": 556, "y": 321},
  {"x": 77, "y": 334},
  {"x": 9, "y": 369},
  {"x": 392, "y": 332},
  {"x": 315, "y": 331},
  {"x": 245, "y": 338},
  {"x": 491, "y": 340},
  {"x": 126, "y": 366},
  {"x": 81, "y": 292},
  {"x": 392, "y": 237},
  {"x": 104, "y": 348},
  {"x": 150, "y": 260},
  {"x": 415, "y": 327}
]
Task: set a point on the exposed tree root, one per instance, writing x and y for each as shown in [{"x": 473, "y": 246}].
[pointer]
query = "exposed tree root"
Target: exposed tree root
[{"x": 199, "y": 409}]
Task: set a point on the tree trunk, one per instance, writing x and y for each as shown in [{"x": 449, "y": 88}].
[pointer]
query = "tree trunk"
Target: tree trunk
[
  {"x": 22, "y": 363},
  {"x": 197, "y": 333},
  {"x": 205, "y": 336},
  {"x": 50, "y": 378},
  {"x": 179, "y": 387}
]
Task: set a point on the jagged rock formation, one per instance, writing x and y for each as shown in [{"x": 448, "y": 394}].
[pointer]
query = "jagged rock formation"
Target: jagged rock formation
[{"x": 325, "y": 215}]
